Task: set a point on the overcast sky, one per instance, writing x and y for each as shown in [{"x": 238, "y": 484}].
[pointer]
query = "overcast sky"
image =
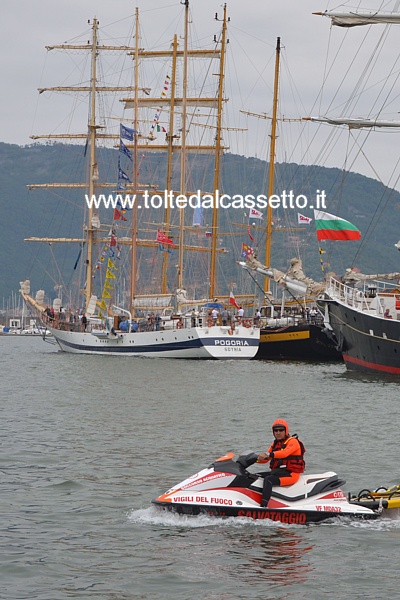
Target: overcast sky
[{"x": 309, "y": 45}]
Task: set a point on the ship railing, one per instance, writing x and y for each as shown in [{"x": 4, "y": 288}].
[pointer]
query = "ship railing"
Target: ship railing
[
  {"x": 348, "y": 294},
  {"x": 366, "y": 299}
]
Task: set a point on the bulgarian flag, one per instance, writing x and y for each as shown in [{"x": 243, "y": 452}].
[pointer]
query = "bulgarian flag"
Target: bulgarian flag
[{"x": 330, "y": 227}]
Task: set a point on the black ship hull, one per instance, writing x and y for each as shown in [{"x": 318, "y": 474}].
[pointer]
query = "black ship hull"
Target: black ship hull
[
  {"x": 369, "y": 343},
  {"x": 306, "y": 341}
]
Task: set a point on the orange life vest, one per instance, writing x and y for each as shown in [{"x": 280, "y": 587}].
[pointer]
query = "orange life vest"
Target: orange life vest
[{"x": 292, "y": 463}]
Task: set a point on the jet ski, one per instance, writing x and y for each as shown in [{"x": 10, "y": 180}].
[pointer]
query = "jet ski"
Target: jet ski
[{"x": 226, "y": 488}]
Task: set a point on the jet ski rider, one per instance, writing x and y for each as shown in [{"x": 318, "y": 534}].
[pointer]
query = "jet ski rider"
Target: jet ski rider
[{"x": 286, "y": 456}]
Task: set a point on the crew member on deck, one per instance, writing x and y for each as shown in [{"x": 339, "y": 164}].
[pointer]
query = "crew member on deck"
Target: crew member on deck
[
  {"x": 84, "y": 321},
  {"x": 214, "y": 315},
  {"x": 286, "y": 456}
]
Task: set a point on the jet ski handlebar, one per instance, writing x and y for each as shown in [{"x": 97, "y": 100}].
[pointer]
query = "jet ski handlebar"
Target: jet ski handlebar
[
  {"x": 226, "y": 464},
  {"x": 246, "y": 460}
]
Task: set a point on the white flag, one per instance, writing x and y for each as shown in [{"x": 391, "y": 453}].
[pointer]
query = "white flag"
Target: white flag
[
  {"x": 303, "y": 219},
  {"x": 255, "y": 214}
]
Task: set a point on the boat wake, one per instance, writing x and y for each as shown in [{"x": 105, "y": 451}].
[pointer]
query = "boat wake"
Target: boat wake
[{"x": 155, "y": 516}]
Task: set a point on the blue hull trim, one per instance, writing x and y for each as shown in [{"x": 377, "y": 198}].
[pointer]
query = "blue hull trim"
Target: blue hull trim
[
  {"x": 190, "y": 344},
  {"x": 162, "y": 347}
]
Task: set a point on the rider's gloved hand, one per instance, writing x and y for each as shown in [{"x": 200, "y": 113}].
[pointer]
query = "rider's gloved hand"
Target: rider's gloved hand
[{"x": 263, "y": 457}]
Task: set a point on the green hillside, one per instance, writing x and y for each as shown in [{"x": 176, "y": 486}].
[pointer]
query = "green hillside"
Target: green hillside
[{"x": 24, "y": 213}]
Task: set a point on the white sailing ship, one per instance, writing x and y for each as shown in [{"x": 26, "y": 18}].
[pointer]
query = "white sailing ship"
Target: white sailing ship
[{"x": 160, "y": 323}]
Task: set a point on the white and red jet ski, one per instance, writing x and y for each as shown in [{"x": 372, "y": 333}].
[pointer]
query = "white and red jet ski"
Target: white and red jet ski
[{"x": 227, "y": 489}]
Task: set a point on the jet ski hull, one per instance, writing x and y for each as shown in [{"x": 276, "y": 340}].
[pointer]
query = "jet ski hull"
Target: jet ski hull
[{"x": 287, "y": 516}]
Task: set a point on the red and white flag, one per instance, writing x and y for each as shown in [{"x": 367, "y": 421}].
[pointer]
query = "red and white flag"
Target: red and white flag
[
  {"x": 163, "y": 239},
  {"x": 255, "y": 214},
  {"x": 233, "y": 301},
  {"x": 303, "y": 219}
]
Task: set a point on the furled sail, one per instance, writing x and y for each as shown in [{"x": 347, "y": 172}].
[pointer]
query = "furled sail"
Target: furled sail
[
  {"x": 354, "y": 19},
  {"x": 294, "y": 280},
  {"x": 154, "y": 301},
  {"x": 354, "y": 123},
  {"x": 354, "y": 276}
]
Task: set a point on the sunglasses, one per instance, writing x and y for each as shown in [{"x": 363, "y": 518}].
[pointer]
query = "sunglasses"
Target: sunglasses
[{"x": 279, "y": 429}]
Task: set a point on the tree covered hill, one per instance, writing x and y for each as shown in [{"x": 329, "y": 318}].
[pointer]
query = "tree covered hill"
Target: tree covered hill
[{"x": 365, "y": 202}]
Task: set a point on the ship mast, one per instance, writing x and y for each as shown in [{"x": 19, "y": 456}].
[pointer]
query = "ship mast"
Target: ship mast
[
  {"x": 170, "y": 138},
  {"x": 218, "y": 149},
  {"x": 94, "y": 171},
  {"x": 268, "y": 239},
  {"x": 134, "y": 229},
  {"x": 183, "y": 145}
]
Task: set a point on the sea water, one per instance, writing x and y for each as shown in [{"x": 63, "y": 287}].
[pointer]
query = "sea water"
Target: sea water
[{"x": 88, "y": 441}]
